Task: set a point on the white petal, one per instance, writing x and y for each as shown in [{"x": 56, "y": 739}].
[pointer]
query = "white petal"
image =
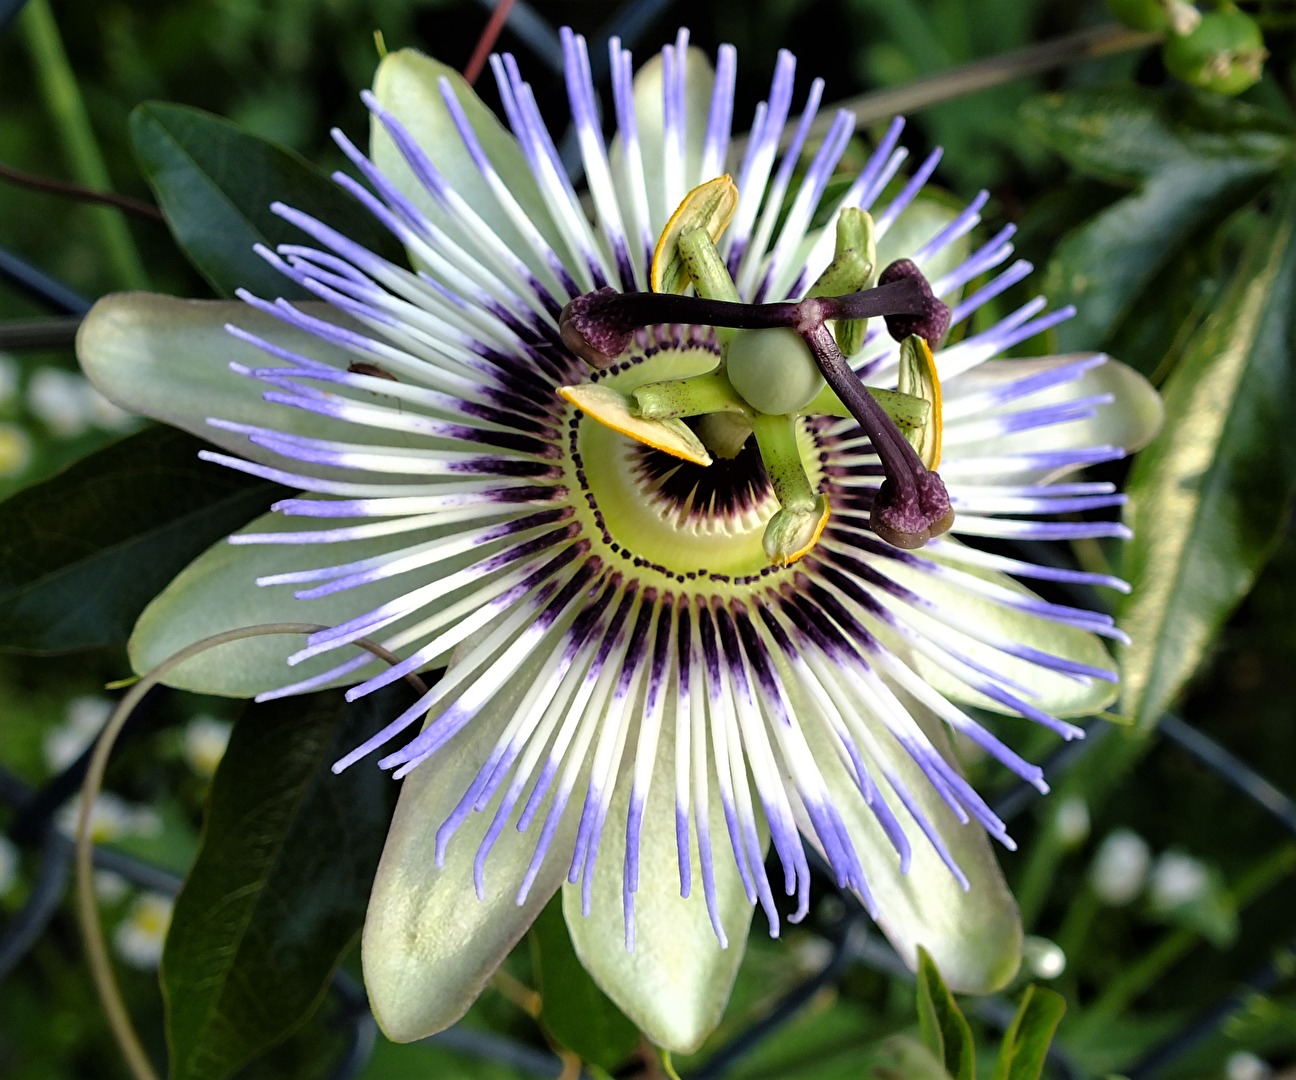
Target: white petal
[
  {"x": 430, "y": 945},
  {"x": 170, "y": 359},
  {"x": 975, "y": 937},
  {"x": 649, "y": 100},
  {"x": 675, "y": 984},
  {"x": 218, "y": 592},
  {"x": 407, "y": 84},
  {"x": 1129, "y": 421}
]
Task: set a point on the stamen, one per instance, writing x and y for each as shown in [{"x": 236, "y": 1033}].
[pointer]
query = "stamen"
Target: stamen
[
  {"x": 795, "y": 528},
  {"x": 912, "y": 505}
]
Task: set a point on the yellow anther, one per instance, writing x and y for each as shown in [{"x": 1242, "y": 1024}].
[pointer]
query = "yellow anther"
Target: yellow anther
[
  {"x": 710, "y": 206},
  {"x": 919, "y": 378},
  {"x": 614, "y": 410}
]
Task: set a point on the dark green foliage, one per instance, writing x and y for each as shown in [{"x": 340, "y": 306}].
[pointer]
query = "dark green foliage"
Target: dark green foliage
[
  {"x": 84, "y": 552},
  {"x": 279, "y": 888},
  {"x": 216, "y": 183}
]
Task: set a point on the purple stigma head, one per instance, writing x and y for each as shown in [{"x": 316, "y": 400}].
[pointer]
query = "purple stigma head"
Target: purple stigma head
[{"x": 933, "y": 322}]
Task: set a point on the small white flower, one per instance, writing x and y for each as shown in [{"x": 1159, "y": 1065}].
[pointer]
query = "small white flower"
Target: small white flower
[
  {"x": 1071, "y": 822},
  {"x": 8, "y": 865},
  {"x": 69, "y": 406},
  {"x": 205, "y": 740},
  {"x": 15, "y": 448},
  {"x": 1044, "y": 959},
  {"x": 113, "y": 818},
  {"x": 58, "y": 400},
  {"x": 139, "y": 938},
  {"x": 82, "y": 722},
  {"x": 1120, "y": 869},
  {"x": 1244, "y": 1065},
  {"x": 110, "y": 886},
  {"x": 1177, "y": 879}
]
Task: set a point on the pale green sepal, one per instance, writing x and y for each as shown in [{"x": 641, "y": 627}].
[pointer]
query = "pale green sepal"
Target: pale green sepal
[
  {"x": 649, "y": 117},
  {"x": 1130, "y": 421},
  {"x": 170, "y": 359},
  {"x": 430, "y": 945},
  {"x": 407, "y": 85},
  {"x": 1056, "y": 694},
  {"x": 218, "y": 592},
  {"x": 975, "y": 937},
  {"x": 675, "y": 984}
]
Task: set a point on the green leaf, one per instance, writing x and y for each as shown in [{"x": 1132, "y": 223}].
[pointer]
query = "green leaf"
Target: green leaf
[
  {"x": 1195, "y": 159},
  {"x": 1026, "y": 1042},
  {"x": 1210, "y": 497},
  {"x": 1106, "y": 266},
  {"x": 279, "y": 888},
  {"x": 575, "y": 1012},
  {"x": 902, "y": 1058},
  {"x": 944, "y": 1028},
  {"x": 215, "y": 183},
  {"x": 1130, "y": 133},
  {"x": 82, "y": 553}
]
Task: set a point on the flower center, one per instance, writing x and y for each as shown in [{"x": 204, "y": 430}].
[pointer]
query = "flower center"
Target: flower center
[
  {"x": 775, "y": 364},
  {"x": 686, "y": 520}
]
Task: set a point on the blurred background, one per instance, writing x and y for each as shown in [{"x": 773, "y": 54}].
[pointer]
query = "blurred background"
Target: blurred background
[{"x": 1156, "y": 880}]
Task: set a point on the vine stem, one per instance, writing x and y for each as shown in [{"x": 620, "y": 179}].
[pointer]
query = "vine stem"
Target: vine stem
[
  {"x": 52, "y": 186},
  {"x": 1089, "y": 44},
  {"x": 101, "y": 969},
  {"x": 67, "y": 110}
]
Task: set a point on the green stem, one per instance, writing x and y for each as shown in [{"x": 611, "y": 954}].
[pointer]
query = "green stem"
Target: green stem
[
  {"x": 777, "y": 439},
  {"x": 905, "y": 410},
  {"x": 72, "y": 126},
  {"x": 1134, "y": 980},
  {"x": 1038, "y": 874},
  {"x": 710, "y": 393},
  {"x": 1089, "y": 44},
  {"x": 1077, "y": 923}
]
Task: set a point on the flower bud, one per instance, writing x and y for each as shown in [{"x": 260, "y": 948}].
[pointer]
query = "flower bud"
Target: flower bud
[
  {"x": 1226, "y": 53},
  {"x": 1044, "y": 959},
  {"x": 1157, "y": 16},
  {"x": 1119, "y": 870}
]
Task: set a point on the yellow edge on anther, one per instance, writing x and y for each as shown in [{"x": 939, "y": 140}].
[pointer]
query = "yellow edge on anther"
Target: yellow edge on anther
[
  {"x": 797, "y": 555},
  {"x": 937, "y": 415},
  {"x": 710, "y": 205},
  {"x": 612, "y": 410}
]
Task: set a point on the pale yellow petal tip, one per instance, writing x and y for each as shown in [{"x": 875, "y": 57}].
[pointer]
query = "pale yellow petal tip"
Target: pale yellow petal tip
[
  {"x": 710, "y": 206},
  {"x": 613, "y": 410},
  {"x": 920, "y": 378},
  {"x": 790, "y": 537}
]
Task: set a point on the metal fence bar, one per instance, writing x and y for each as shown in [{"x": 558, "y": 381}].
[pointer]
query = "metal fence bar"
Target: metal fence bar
[
  {"x": 1231, "y": 768},
  {"x": 42, "y": 288},
  {"x": 9, "y": 10},
  {"x": 1210, "y": 1020},
  {"x": 533, "y": 29}
]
